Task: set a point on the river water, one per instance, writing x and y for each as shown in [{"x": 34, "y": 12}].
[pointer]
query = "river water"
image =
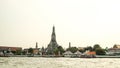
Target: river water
[{"x": 41, "y": 62}]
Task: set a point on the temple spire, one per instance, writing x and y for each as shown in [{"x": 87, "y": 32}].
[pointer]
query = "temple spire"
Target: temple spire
[
  {"x": 36, "y": 45},
  {"x": 69, "y": 44},
  {"x": 53, "y": 44},
  {"x": 53, "y": 36},
  {"x": 53, "y": 29}
]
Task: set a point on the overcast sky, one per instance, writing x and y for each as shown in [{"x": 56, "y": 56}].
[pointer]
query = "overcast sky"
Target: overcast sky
[{"x": 81, "y": 22}]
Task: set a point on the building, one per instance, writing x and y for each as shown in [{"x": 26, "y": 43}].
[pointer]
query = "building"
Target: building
[
  {"x": 68, "y": 54},
  {"x": 53, "y": 44},
  {"x": 114, "y": 51},
  {"x": 6, "y": 48},
  {"x": 91, "y": 53},
  {"x": 77, "y": 54},
  {"x": 35, "y": 51},
  {"x": 88, "y": 54},
  {"x": 116, "y": 46}
]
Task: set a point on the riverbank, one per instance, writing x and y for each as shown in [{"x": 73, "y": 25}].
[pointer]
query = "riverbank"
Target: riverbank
[
  {"x": 32, "y": 56},
  {"x": 106, "y": 56},
  {"x": 96, "y": 56}
]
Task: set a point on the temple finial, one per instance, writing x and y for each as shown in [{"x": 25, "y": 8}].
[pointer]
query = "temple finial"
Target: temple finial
[
  {"x": 53, "y": 29},
  {"x": 36, "y": 45}
]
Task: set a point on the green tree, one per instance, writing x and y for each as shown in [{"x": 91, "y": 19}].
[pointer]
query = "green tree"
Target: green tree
[
  {"x": 18, "y": 52},
  {"x": 14, "y": 52},
  {"x": 82, "y": 51},
  {"x": 96, "y": 46},
  {"x": 30, "y": 50},
  {"x": 89, "y": 48},
  {"x": 59, "y": 49},
  {"x": 23, "y": 52},
  {"x": 106, "y": 49},
  {"x": 72, "y": 49},
  {"x": 100, "y": 51},
  {"x": 56, "y": 51}
]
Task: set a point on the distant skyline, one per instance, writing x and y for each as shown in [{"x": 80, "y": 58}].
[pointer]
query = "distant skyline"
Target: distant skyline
[{"x": 81, "y": 22}]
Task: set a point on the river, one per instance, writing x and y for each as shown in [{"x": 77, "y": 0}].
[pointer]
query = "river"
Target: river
[{"x": 41, "y": 62}]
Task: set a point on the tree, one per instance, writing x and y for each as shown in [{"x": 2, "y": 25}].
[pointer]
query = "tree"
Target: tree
[
  {"x": 56, "y": 51},
  {"x": 72, "y": 49},
  {"x": 100, "y": 51},
  {"x": 59, "y": 49},
  {"x": 96, "y": 46},
  {"x": 30, "y": 50},
  {"x": 89, "y": 48},
  {"x": 106, "y": 49},
  {"x": 14, "y": 52},
  {"x": 23, "y": 52},
  {"x": 18, "y": 52},
  {"x": 82, "y": 51}
]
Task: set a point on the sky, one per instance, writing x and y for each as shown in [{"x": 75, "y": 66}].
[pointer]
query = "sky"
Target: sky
[{"x": 81, "y": 22}]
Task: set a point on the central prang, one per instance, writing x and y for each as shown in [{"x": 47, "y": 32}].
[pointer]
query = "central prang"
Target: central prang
[{"x": 53, "y": 44}]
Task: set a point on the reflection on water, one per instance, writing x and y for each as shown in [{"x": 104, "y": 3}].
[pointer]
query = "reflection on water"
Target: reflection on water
[{"x": 39, "y": 62}]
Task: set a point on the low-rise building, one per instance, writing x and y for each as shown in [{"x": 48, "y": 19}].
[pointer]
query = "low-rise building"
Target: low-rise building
[
  {"x": 116, "y": 46},
  {"x": 7, "y": 51},
  {"x": 68, "y": 54},
  {"x": 36, "y": 51},
  {"x": 115, "y": 50},
  {"x": 89, "y": 54},
  {"x": 33, "y": 51},
  {"x": 77, "y": 54},
  {"x": 6, "y": 48}
]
